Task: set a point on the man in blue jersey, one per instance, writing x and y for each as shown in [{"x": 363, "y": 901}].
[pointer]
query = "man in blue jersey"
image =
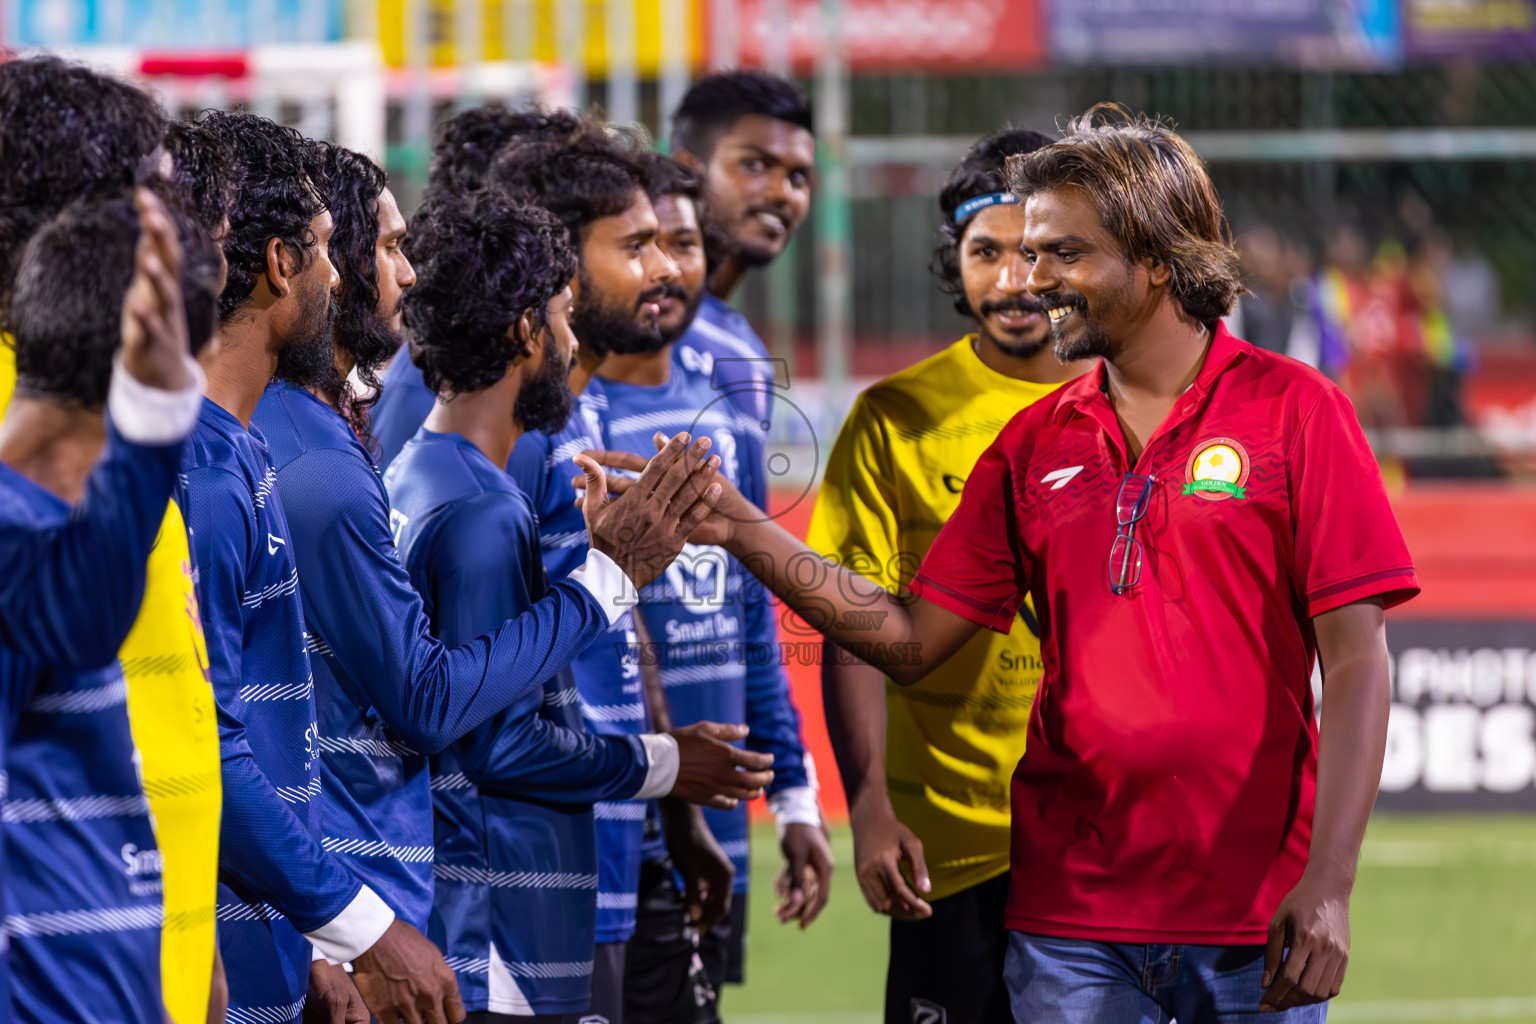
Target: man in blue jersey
[
  {"x": 516, "y": 863},
  {"x": 717, "y": 652},
  {"x": 83, "y": 890},
  {"x": 463, "y": 149},
  {"x": 608, "y": 676},
  {"x": 43, "y": 611},
  {"x": 287, "y": 905},
  {"x": 749, "y": 135},
  {"x": 388, "y": 693}
]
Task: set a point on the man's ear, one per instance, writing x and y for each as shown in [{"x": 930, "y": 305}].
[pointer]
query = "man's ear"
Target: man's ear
[
  {"x": 1158, "y": 272},
  {"x": 521, "y": 332},
  {"x": 279, "y": 268}
]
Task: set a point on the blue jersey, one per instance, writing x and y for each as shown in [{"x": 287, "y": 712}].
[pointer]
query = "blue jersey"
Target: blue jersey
[
  {"x": 724, "y": 348},
  {"x": 388, "y": 693},
  {"x": 710, "y": 622},
  {"x": 83, "y": 896},
  {"x": 516, "y": 863},
  {"x": 403, "y": 405},
  {"x": 276, "y": 881},
  {"x": 45, "y": 614},
  {"x": 607, "y": 675}
]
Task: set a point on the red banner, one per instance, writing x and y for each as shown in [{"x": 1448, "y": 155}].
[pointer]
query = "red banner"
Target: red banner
[{"x": 901, "y": 35}]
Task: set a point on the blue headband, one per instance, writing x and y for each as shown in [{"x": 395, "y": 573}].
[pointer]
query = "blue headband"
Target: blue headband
[{"x": 971, "y": 207}]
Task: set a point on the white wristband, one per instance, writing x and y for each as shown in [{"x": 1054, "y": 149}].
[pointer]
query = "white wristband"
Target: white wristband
[
  {"x": 147, "y": 415},
  {"x": 661, "y": 752},
  {"x": 797, "y": 805},
  {"x": 352, "y": 932},
  {"x": 606, "y": 582}
]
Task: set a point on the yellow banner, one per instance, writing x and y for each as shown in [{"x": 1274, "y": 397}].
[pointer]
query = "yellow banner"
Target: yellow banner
[{"x": 542, "y": 25}]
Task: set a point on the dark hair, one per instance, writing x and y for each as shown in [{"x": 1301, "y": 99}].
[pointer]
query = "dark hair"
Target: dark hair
[
  {"x": 667, "y": 177},
  {"x": 579, "y": 181},
  {"x": 715, "y": 102},
  {"x": 482, "y": 261},
  {"x": 464, "y": 146},
  {"x": 352, "y": 184},
  {"x": 66, "y": 133},
  {"x": 982, "y": 171},
  {"x": 205, "y": 168},
  {"x": 68, "y": 302},
  {"x": 1153, "y": 195},
  {"x": 278, "y": 197}
]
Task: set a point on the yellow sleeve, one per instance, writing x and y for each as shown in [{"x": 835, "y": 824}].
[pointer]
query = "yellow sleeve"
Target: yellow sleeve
[
  {"x": 7, "y": 371},
  {"x": 855, "y": 519}
]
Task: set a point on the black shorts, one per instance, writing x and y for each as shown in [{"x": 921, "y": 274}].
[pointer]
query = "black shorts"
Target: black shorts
[
  {"x": 723, "y": 947},
  {"x": 664, "y": 979},
  {"x": 948, "y": 969}
]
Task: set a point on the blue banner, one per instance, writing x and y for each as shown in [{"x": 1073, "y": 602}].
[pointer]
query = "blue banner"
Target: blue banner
[
  {"x": 1311, "y": 33},
  {"x": 172, "y": 24}
]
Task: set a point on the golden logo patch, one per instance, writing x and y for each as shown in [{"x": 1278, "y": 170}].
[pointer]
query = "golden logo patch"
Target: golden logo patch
[{"x": 1217, "y": 470}]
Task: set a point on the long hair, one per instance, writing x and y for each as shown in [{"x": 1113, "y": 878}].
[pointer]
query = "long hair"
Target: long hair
[{"x": 1153, "y": 196}]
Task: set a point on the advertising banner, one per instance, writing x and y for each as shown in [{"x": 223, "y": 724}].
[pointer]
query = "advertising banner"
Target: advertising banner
[
  {"x": 1482, "y": 28},
  {"x": 1462, "y": 735},
  {"x": 1318, "y": 33},
  {"x": 895, "y": 35},
  {"x": 172, "y": 24}
]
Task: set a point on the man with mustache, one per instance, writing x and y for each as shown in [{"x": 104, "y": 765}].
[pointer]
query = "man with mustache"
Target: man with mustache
[
  {"x": 715, "y": 647},
  {"x": 516, "y": 865},
  {"x": 927, "y": 780},
  {"x": 1198, "y": 523}
]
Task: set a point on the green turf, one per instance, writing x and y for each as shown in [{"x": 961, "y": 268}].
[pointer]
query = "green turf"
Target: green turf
[{"x": 1444, "y": 919}]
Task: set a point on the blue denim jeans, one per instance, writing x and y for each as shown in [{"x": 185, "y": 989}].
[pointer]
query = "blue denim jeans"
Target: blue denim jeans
[{"x": 1075, "y": 981}]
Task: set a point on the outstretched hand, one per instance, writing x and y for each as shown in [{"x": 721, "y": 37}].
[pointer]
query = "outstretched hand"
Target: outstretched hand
[
  {"x": 723, "y": 512},
  {"x": 155, "y": 349},
  {"x": 714, "y": 773},
  {"x": 645, "y": 527}
]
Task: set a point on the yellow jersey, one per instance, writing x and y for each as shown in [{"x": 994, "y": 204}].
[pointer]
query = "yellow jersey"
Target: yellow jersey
[
  {"x": 175, "y": 727},
  {"x": 894, "y": 477}
]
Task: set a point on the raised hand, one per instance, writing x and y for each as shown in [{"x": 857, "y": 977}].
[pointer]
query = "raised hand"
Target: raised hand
[
  {"x": 712, "y": 772},
  {"x": 726, "y": 509},
  {"x": 403, "y": 976},
  {"x": 644, "y": 529},
  {"x": 155, "y": 348}
]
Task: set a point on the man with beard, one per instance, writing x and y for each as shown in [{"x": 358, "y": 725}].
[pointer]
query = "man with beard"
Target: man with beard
[
  {"x": 656, "y": 954},
  {"x": 282, "y": 895},
  {"x": 699, "y": 607},
  {"x": 388, "y": 693},
  {"x": 927, "y": 779},
  {"x": 1198, "y": 522},
  {"x": 85, "y": 933},
  {"x": 515, "y": 861},
  {"x": 463, "y": 149}
]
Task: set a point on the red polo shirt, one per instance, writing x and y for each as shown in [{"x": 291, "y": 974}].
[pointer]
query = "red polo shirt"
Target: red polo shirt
[{"x": 1166, "y": 790}]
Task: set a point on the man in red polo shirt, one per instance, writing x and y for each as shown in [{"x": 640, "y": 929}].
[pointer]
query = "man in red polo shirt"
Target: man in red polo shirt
[{"x": 1197, "y": 521}]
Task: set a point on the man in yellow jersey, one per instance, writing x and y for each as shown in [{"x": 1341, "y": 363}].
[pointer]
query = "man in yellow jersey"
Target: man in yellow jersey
[{"x": 926, "y": 768}]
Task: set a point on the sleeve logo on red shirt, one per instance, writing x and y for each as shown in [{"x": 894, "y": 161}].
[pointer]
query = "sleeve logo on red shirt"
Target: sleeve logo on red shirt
[{"x": 1217, "y": 470}]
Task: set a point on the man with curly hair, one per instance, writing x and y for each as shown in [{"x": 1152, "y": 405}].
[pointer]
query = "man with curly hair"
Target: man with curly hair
[
  {"x": 105, "y": 144},
  {"x": 85, "y": 934},
  {"x": 515, "y": 862},
  {"x": 1197, "y": 523},
  {"x": 927, "y": 779},
  {"x": 463, "y": 149}
]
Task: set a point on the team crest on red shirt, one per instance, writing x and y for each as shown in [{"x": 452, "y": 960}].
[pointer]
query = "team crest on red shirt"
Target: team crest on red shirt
[{"x": 1217, "y": 470}]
